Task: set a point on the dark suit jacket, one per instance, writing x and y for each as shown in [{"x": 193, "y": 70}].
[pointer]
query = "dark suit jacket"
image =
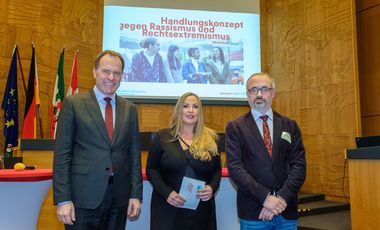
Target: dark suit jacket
[
  {"x": 83, "y": 152},
  {"x": 166, "y": 167},
  {"x": 256, "y": 173}
]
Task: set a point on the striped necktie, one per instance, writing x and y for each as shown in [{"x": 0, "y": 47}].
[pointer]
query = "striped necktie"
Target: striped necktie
[{"x": 267, "y": 139}]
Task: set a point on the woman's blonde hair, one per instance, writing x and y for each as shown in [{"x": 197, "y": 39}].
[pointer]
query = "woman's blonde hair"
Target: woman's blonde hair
[{"x": 203, "y": 146}]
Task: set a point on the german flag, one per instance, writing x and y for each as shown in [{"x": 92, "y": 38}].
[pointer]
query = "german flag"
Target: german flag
[{"x": 29, "y": 126}]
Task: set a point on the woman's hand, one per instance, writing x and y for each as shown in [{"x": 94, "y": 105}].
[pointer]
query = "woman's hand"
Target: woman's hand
[
  {"x": 175, "y": 199},
  {"x": 205, "y": 194}
]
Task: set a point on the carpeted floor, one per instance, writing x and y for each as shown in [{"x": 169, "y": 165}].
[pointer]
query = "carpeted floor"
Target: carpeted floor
[{"x": 329, "y": 221}]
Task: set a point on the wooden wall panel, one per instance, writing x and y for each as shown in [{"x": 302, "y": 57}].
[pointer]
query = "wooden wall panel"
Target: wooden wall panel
[
  {"x": 156, "y": 116},
  {"x": 51, "y": 25},
  {"x": 371, "y": 125},
  {"x": 307, "y": 46},
  {"x": 365, "y": 181},
  {"x": 309, "y": 50},
  {"x": 369, "y": 60},
  {"x": 368, "y": 33},
  {"x": 366, "y": 4},
  {"x": 73, "y": 25}
]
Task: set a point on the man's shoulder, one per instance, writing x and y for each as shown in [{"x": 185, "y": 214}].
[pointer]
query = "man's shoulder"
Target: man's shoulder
[
  {"x": 138, "y": 54},
  {"x": 187, "y": 63},
  {"x": 78, "y": 96},
  {"x": 282, "y": 117},
  {"x": 124, "y": 101},
  {"x": 160, "y": 57},
  {"x": 241, "y": 118}
]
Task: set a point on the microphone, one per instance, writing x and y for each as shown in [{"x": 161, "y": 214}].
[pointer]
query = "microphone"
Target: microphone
[
  {"x": 21, "y": 167},
  {"x": 30, "y": 167}
]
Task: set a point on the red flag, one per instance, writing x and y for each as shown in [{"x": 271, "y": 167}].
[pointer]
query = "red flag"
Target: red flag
[
  {"x": 73, "y": 87},
  {"x": 32, "y": 100},
  {"x": 59, "y": 94}
]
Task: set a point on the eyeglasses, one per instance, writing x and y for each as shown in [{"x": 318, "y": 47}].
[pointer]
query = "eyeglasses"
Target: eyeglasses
[{"x": 263, "y": 90}]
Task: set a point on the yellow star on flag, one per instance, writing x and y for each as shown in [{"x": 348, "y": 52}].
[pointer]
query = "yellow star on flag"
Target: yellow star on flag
[{"x": 10, "y": 123}]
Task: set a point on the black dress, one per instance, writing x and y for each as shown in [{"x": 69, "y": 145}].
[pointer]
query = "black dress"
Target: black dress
[{"x": 166, "y": 166}]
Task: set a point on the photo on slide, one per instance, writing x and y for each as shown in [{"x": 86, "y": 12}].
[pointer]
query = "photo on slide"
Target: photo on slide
[{"x": 169, "y": 52}]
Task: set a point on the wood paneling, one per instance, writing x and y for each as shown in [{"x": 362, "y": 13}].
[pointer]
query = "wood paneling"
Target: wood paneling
[
  {"x": 308, "y": 47},
  {"x": 365, "y": 190},
  {"x": 156, "y": 116},
  {"x": 366, "y": 4},
  {"x": 371, "y": 125},
  {"x": 368, "y": 33},
  {"x": 51, "y": 25}
]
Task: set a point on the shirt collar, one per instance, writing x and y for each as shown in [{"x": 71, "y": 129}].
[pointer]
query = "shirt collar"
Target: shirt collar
[
  {"x": 193, "y": 60},
  {"x": 100, "y": 96},
  {"x": 256, "y": 114}
]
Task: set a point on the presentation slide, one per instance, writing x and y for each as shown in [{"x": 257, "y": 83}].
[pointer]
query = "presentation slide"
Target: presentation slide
[{"x": 168, "y": 52}]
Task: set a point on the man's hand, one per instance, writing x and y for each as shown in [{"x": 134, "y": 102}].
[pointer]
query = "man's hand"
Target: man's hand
[
  {"x": 175, "y": 199},
  {"x": 66, "y": 213},
  {"x": 133, "y": 208},
  {"x": 275, "y": 204},
  {"x": 266, "y": 214}
]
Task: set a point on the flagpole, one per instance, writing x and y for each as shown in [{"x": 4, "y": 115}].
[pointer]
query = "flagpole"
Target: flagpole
[
  {"x": 22, "y": 73},
  {"x": 38, "y": 105},
  {"x": 10, "y": 104},
  {"x": 73, "y": 86},
  {"x": 58, "y": 95}
]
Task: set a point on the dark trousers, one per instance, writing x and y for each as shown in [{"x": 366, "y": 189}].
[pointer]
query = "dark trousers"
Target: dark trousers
[{"x": 105, "y": 217}]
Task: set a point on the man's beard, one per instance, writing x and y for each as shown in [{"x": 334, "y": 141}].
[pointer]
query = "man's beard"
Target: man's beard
[{"x": 260, "y": 105}]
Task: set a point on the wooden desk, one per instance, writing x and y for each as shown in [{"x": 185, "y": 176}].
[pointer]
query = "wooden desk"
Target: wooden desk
[{"x": 364, "y": 177}]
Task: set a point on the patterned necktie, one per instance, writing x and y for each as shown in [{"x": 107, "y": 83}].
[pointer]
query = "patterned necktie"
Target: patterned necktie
[
  {"x": 267, "y": 139},
  {"x": 109, "y": 117}
]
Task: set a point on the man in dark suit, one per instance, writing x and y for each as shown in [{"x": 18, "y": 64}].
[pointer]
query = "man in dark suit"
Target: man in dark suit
[
  {"x": 97, "y": 178},
  {"x": 266, "y": 160}
]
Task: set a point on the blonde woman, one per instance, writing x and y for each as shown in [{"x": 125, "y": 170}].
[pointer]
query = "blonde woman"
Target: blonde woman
[{"x": 186, "y": 149}]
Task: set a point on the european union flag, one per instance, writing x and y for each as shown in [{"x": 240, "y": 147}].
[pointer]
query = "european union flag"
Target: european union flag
[{"x": 10, "y": 104}]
